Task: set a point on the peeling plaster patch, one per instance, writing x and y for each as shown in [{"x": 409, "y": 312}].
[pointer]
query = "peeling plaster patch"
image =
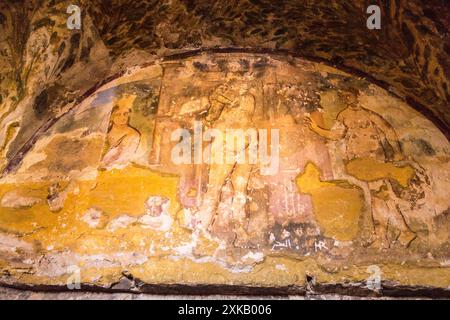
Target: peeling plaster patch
[
  {"x": 161, "y": 223},
  {"x": 12, "y": 244},
  {"x": 121, "y": 222},
  {"x": 254, "y": 256},
  {"x": 93, "y": 217},
  {"x": 157, "y": 215},
  {"x": 223, "y": 264},
  {"x": 16, "y": 199},
  {"x": 187, "y": 251},
  {"x": 122, "y": 259},
  {"x": 151, "y": 250},
  {"x": 281, "y": 267},
  {"x": 56, "y": 264}
]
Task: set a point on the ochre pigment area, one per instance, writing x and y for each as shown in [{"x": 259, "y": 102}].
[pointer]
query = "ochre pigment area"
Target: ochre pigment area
[
  {"x": 371, "y": 170},
  {"x": 337, "y": 205}
]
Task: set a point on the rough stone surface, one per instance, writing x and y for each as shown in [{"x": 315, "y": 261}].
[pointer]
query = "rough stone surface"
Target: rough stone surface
[{"x": 14, "y": 294}]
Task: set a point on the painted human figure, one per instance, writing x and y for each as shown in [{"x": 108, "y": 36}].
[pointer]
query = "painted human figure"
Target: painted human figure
[
  {"x": 367, "y": 135},
  {"x": 122, "y": 139},
  {"x": 228, "y": 111},
  {"x": 299, "y": 147}
]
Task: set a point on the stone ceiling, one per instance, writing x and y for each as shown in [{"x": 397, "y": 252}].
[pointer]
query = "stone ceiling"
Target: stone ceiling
[{"x": 45, "y": 65}]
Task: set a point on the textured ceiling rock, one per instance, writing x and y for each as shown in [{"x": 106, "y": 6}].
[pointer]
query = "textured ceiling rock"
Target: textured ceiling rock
[{"x": 44, "y": 66}]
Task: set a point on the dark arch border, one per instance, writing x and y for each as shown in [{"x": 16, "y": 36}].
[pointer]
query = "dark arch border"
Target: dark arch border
[
  {"x": 337, "y": 64},
  {"x": 310, "y": 288}
]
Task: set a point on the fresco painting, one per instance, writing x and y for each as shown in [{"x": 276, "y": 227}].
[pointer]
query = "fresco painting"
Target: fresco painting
[{"x": 145, "y": 173}]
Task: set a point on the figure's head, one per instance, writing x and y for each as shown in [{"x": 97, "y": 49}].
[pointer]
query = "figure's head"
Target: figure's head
[
  {"x": 222, "y": 88},
  {"x": 349, "y": 96},
  {"x": 244, "y": 89},
  {"x": 225, "y": 92},
  {"x": 120, "y": 114},
  {"x": 234, "y": 66}
]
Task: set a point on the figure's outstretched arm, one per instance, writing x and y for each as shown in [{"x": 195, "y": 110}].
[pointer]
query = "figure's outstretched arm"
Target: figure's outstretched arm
[
  {"x": 214, "y": 112},
  {"x": 318, "y": 118},
  {"x": 335, "y": 133}
]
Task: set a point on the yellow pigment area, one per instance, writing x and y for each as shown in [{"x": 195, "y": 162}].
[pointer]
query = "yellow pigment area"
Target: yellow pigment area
[
  {"x": 368, "y": 169},
  {"x": 126, "y": 190},
  {"x": 115, "y": 193},
  {"x": 337, "y": 204}
]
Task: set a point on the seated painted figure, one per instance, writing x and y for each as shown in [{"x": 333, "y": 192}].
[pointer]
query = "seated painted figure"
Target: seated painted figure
[{"x": 122, "y": 139}]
